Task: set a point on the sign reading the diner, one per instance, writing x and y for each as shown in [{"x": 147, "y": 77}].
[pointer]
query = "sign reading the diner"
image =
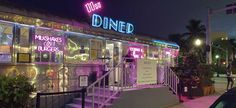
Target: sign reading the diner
[
  {"x": 112, "y": 24},
  {"x": 48, "y": 43},
  {"x": 146, "y": 71}
]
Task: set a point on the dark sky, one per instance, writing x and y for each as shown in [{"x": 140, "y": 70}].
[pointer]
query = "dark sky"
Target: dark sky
[{"x": 153, "y": 17}]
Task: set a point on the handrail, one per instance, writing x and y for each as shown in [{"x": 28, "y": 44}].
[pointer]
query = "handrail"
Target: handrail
[
  {"x": 106, "y": 91},
  {"x": 102, "y": 77},
  {"x": 82, "y": 91},
  {"x": 171, "y": 80}
]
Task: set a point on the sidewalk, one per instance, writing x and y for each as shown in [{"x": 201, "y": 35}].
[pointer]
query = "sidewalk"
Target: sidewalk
[{"x": 206, "y": 101}]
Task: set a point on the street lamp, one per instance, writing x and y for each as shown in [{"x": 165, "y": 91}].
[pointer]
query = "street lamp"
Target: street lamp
[
  {"x": 198, "y": 42},
  {"x": 217, "y": 56}
]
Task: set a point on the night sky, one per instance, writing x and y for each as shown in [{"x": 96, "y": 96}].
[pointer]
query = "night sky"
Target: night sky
[{"x": 156, "y": 18}]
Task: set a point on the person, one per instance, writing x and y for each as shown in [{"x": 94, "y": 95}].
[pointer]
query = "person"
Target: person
[
  {"x": 129, "y": 57},
  {"x": 229, "y": 76},
  {"x": 129, "y": 65},
  {"x": 180, "y": 86}
]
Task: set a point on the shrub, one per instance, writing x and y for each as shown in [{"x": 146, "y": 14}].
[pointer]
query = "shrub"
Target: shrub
[{"x": 15, "y": 92}]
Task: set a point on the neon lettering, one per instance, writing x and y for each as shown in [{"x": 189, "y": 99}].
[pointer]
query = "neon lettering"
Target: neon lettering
[
  {"x": 48, "y": 43},
  {"x": 137, "y": 52},
  {"x": 91, "y": 6},
  {"x": 111, "y": 24}
]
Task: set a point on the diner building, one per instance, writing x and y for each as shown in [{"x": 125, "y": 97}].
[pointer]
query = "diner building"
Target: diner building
[{"x": 53, "y": 51}]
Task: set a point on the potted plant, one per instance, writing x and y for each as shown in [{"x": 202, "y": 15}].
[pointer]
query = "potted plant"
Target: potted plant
[
  {"x": 206, "y": 83},
  {"x": 15, "y": 92}
]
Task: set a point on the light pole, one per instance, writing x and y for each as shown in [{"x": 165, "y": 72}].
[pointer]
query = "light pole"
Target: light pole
[
  {"x": 208, "y": 38},
  {"x": 217, "y": 64}
]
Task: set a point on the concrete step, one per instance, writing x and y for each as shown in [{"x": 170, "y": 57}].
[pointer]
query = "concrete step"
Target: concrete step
[
  {"x": 89, "y": 101},
  {"x": 76, "y": 105},
  {"x": 102, "y": 96}
]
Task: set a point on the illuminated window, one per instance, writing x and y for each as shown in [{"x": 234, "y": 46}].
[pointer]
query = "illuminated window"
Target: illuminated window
[
  {"x": 48, "y": 46},
  {"x": 77, "y": 48},
  {"x": 6, "y": 37},
  {"x": 96, "y": 48}
]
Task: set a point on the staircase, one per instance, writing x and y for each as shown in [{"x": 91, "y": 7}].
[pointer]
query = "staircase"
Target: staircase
[
  {"x": 96, "y": 100},
  {"x": 100, "y": 94}
]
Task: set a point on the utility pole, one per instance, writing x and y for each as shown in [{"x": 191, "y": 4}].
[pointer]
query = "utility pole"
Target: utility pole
[{"x": 208, "y": 38}]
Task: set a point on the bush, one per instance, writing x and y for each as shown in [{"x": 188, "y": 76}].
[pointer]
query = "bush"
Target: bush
[
  {"x": 15, "y": 92},
  {"x": 206, "y": 74}
]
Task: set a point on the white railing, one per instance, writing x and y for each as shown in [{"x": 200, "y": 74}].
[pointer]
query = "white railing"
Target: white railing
[
  {"x": 171, "y": 80},
  {"x": 101, "y": 92}
]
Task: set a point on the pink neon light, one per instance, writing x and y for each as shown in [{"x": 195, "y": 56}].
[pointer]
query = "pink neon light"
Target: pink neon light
[
  {"x": 91, "y": 7},
  {"x": 48, "y": 43},
  {"x": 137, "y": 52}
]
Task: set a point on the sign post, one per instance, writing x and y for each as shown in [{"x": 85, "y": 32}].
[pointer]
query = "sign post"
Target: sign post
[{"x": 83, "y": 82}]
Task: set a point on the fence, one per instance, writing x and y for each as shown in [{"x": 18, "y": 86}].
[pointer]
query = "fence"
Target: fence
[
  {"x": 171, "y": 80},
  {"x": 59, "y": 99}
]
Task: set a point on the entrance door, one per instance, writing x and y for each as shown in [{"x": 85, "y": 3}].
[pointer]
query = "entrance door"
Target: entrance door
[{"x": 113, "y": 51}]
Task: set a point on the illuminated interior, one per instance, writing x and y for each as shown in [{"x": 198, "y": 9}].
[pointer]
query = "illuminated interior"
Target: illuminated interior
[{"x": 6, "y": 37}]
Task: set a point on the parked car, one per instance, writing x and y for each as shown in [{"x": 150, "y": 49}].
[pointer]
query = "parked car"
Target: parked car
[{"x": 227, "y": 100}]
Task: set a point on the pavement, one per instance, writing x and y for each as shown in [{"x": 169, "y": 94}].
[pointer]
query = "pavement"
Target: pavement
[{"x": 206, "y": 101}]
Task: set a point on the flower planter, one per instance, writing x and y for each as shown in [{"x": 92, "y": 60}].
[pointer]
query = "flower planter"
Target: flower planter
[{"x": 207, "y": 90}]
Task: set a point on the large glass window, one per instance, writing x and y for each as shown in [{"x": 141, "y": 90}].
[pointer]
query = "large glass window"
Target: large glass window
[
  {"x": 153, "y": 52},
  {"x": 6, "y": 37},
  {"x": 24, "y": 40},
  {"x": 49, "y": 46},
  {"x": 96, "y": 49},
  {"x": 78, "y": 48}
]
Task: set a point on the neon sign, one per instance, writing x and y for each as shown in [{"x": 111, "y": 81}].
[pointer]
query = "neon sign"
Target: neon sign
[
  {"x": 111, "y": 24},
  {"x": 91, "y": 7},
  {"x": 48, "y": 43},
  {"x": 137, "y": 52}
]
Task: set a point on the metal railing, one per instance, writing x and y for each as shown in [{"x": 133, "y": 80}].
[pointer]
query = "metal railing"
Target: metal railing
[
  {"x": 105, "y": 89},
  {"x": 59, "y": 99},
  {"x": 171, "y": 80}
]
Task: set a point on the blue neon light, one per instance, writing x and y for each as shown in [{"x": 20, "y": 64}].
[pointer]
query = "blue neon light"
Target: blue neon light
[
  {"x": 111, "y": 24},
  {"x": 166, "y": 43}
]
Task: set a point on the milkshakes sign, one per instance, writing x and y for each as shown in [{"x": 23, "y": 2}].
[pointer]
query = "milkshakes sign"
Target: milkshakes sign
[
  {"x": 112, "y": 24},
  {"x": 48, "y": 43},
  {"x": 146, "y": 71}
]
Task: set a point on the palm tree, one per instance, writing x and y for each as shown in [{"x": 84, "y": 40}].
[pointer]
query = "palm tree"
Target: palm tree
[
  {"x": 180, "y": 40},
  {"x": 196, "y": 30}
]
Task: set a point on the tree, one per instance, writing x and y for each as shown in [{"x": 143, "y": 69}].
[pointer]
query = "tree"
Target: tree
[
  {"x": 196, "y": 30},
  {"x": 224, "y": 48}
]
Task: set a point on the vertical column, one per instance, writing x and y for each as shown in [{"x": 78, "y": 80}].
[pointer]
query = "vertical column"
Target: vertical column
[
  {"x": 15, "y": 42},
  {"x": 32, "y": 43}
]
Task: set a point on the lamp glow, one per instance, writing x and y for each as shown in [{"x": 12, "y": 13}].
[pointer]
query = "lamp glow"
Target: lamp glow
[
  {"x": 217, "y": 56},
  {"x": 198, "y": 42}
]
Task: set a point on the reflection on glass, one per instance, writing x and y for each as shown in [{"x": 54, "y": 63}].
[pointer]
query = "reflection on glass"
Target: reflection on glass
[
  {"x": 78, "y": 49},
  {"x": 5, "y": 42}
]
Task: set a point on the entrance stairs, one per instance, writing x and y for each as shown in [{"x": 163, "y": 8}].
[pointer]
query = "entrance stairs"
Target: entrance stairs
[
  {"x": 99, "y": 96},
  {"x": 119, "y": 95}
]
